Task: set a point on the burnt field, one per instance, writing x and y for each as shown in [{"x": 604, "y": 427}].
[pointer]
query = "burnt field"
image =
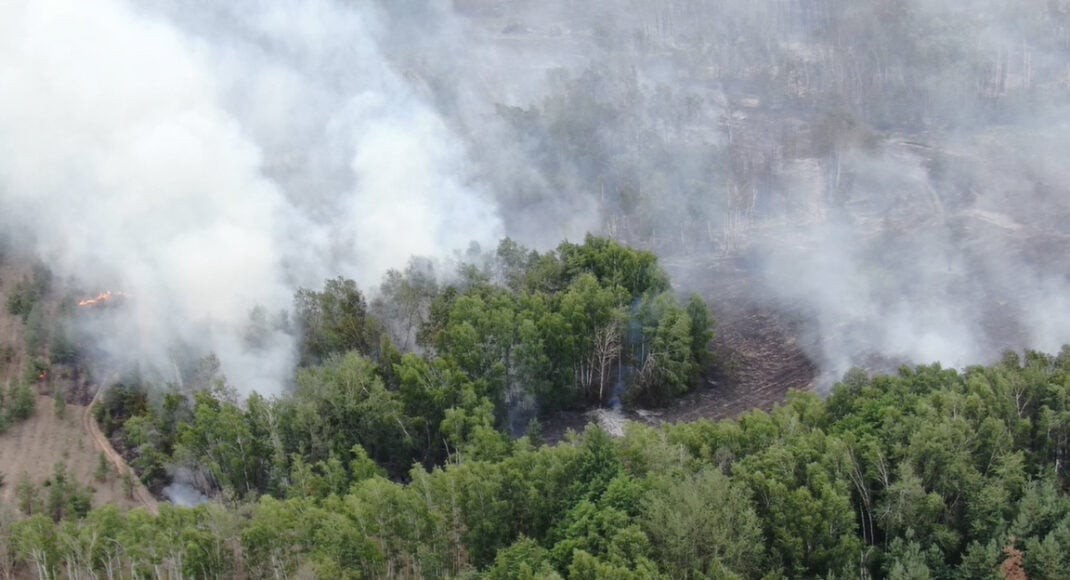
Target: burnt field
[
  {"x": 759, "y": 351},
  {"x": 758, "y": 359}
]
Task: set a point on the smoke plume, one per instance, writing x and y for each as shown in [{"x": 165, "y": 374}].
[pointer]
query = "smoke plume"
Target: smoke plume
[
  {"x": 206, "y": 161},
  {"x": 890, "y": 172}
]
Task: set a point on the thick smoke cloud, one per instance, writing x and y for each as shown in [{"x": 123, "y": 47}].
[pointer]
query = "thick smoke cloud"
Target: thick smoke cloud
[
  {"x": 890, "y": 172},
  {"x": 211, "y": 163}
]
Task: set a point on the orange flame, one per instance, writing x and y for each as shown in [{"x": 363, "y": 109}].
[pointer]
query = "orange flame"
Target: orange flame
[
  {"x": 102, "y": 298},
  {"x": 42, "y": 376}
]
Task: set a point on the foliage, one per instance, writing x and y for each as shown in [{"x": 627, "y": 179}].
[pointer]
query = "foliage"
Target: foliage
[
  {"x": 65, "y": 499},
  {"x": 927, "y": 473},
  {"x": 20, "y": 401},
  {"x": 59, "y": 402},
  {"x": 517, "y": 336},
  {"x": 579, "y": 326},
  {"x": 335, "y": 321},
  {"x": 704, "y": 525}
]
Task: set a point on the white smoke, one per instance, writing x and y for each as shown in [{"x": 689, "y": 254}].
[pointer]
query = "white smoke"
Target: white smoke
[
  {"x": 206, "y": 156},
  {"x": 209, "y": 161},
  {"x": 184, "y": 494}
]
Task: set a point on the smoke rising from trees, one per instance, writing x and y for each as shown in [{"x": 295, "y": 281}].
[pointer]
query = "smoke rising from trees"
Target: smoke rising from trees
[
  {"x": 891, "y": 171},
  {"x": 888, "y": 171},
  {"x": 211, "y": 165}
]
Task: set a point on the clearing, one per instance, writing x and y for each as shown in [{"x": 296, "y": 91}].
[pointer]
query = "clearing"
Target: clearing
[{"x": 34, "y": 446}]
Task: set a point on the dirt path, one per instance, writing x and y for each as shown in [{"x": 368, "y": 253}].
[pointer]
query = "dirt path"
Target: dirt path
[{"x": 101, "y": 442}]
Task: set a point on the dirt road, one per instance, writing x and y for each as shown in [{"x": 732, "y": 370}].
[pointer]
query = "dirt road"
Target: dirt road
[{"x": 141, "y": 493}]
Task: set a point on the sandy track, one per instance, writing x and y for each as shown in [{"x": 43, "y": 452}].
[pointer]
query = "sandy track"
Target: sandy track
[{"x": 141, "y": 493}]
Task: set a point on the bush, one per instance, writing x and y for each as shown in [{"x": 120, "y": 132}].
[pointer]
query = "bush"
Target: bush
[
  {"x": 59, "y": 402},
  {"x": 22, "y": 402},
  {"x": 21, "y": 300}
]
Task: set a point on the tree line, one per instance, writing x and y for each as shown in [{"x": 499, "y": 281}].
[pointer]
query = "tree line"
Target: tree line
[
  {"x": 929, "y": 473},
  {"x": 427, "y": 372},
  {"x": 395, "y": 454}
]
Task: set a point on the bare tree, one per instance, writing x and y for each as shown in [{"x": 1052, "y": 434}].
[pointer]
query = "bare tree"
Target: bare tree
[{"x": 606, "y": 350}]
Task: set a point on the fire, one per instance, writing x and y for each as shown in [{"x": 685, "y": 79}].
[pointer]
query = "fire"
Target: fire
[
  {"x": 102, "y": 298},
  {"x": 42, "y": 376}
]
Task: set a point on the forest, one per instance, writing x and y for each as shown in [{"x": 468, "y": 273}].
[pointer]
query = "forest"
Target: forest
[
  {"x": 283, "y": 291},
  {"x": 410, "y": 447}
]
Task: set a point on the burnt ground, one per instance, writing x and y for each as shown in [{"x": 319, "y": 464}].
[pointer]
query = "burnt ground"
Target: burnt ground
[
  {"x": 757, "y": 351},
  {"x": 757, "y": 361}
]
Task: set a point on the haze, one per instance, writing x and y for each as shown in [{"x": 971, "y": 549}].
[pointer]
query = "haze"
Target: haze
[{"x": 891, "y": 172}]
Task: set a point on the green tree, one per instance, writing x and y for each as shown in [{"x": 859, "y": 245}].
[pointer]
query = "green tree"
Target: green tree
[
  {"x": 104, "y": 525},
  {"x": 22, "y": 402},
  {"x": 274, "y": 539},
  {"x": 664, "y": 355},
  {"x": 342, "y": 550},
  {"x": 405, "y": 299},
  {"x": 342, "y": 403},
  {"x": 36, "y": 335},
  {"x": 65, "y": 498},
  {"x": 35, "y": 542},
  {"x": 701, "y": 330},
  {"x": 62, "y": 348},
  {"x": 587, "y": 309},
  {"x": 426, "y": 390},
  {"x": 27, "y": 495},
  {"x": 8, "y": 517},
  {"x": 907, "y": 561},
  {"x": 335, "y": 321},
  {"x": 635, "y": 271},
  {"x": 469, "y": 430},
  {"x": 59, "y": 402},
  {"x": 128, "y": 485},
  {"x": 704, "y": 526},
  {"x": 220, "y": 439},
  {"x": 22, "y": 299},
  {"x": 525, "y": 559},
  {"x": 805, "y": 508},
  {"x": 265, "y": 423}
]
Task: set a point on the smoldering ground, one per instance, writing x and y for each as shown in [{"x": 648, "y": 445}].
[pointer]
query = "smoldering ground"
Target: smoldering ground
[{"x": 890, "y": 171}]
